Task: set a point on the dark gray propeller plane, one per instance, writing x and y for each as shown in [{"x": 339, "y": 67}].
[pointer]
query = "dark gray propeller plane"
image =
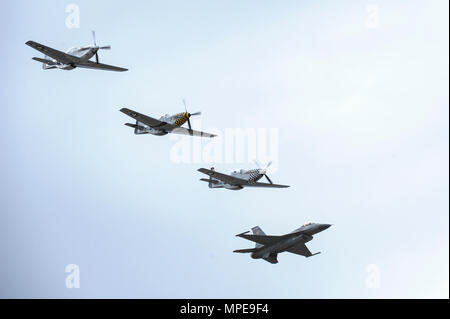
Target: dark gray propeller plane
[
  {"x": 268, "y": 247},
  {"x": 76, "y": 57}
]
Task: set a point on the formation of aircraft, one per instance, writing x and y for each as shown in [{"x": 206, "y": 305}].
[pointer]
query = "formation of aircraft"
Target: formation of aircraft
[
  {"x": 166, "y": 124},
  {"x": 268, "y": 247},
  {"x": 76, "y": 57},
  {"x": 238, "y": 179}
]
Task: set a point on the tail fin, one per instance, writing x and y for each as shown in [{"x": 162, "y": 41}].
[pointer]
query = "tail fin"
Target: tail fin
[
  {"x": 258, "y": 231},
  {"x": 210, "y": 184}
]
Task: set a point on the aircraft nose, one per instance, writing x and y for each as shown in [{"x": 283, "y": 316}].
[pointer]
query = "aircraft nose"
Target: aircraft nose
[{"x": 325, "y": 226}]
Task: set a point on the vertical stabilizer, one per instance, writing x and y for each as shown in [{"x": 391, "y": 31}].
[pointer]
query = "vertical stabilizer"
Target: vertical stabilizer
[{"x": 258, "y": 231}]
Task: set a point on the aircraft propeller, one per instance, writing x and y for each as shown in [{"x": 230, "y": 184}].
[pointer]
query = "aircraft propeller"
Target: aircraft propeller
[
  {"x": 189, "y": 114},
  {"x": 106, "y": 47},
  {"x": 263, "y": 171}
]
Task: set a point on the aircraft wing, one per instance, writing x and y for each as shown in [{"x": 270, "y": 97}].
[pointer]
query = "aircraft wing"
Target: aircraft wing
[
  {"x": 228, "y": 179},
  {"x": 92, "y": 65},
  {"x": 147, "y": 120},
  {"x": 300, "y": 249},
  {"x": 257, "y": 184},
  {"x": 61, "y": 57},
  {"x": 186, "y": 131},
  {"x": 262, "y": 239}
]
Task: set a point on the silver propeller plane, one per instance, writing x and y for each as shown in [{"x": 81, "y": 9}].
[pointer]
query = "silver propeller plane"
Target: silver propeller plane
[
  {"x": 77, "y": 57},
  {"x": 238, "y": 179},
  {"x": 268, "y": 247},
  {"x": 166, "y": 124}
]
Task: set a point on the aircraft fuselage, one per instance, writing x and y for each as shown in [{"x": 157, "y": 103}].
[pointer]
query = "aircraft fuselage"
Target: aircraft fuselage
[
  {"x": 303, "y": 235},
  {"x": 252, "y": 175},
  {"x": 281, "y": 246},
  {"x": 83, "y": 53},
  {"x": 176, "y": 119}
]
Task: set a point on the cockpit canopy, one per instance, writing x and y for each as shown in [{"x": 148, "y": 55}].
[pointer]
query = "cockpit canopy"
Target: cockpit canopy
[{"x": 307, "y": 223}]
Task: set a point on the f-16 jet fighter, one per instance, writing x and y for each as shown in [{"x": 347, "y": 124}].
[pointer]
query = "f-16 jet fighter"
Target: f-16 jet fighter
[
  {"x": 238, "y": 179},
  {"x": 268, "y": 247},
  {"x": 166, "y": 124},
  {"x": 77, "y": 57}
]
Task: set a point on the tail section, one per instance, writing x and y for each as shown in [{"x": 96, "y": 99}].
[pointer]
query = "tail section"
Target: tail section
[
  {"x": 212, "y": 183},
  {"x": 258, "y": 231},
  {"x": 138, "y": 128},
  {"x": 46, "y": 63}
]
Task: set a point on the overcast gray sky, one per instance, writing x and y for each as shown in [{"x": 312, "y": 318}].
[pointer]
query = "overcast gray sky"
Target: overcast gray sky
[{"x": 355, "y": 94}]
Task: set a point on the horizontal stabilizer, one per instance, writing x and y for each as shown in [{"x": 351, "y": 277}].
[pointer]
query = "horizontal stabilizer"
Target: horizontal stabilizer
[
  {"x": 314, "y": 254},
  {"x": 209, "y": 180},
  {"x": 239, "y": 235},
  {"x": 48, "y": 62},
  {"x": 131, "y": 125},
  {"x": 138, "y": 127},
  {"x": 249, "y": 250}
]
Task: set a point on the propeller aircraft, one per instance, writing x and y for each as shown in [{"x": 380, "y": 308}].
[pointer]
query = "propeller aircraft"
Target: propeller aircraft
[
  {"x": 76, "y": 57},
  {"x": 239, "y": 179},
  {"x": 166, "y": 124}
]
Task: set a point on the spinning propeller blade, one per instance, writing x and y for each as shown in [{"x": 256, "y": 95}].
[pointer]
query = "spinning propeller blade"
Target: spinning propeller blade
[
  {"x": 262, "y": 171},
  {"x": 189, "y": 114},
  {"x": 267, "y": 177},
  {"x": 106, "y": 47},
  {"x": 93, "y": 37}
]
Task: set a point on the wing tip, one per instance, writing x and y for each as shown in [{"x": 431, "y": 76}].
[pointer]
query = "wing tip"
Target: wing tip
[{"x": 313, "y": 254}]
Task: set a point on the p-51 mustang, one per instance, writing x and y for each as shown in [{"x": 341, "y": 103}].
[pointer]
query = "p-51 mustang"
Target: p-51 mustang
[
  {"x": 77, "y": 57},
  {"x": 238, "y": 179},
  {"x": 268, "y": 247},
  {"x": 166, "y": 124}
]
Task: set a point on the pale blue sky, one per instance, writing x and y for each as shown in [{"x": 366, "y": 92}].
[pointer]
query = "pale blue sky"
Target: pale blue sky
[{"x": 363, "y": 128}]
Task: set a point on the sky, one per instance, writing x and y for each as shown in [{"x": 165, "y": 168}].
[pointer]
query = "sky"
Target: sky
[{"x": 350, "y": 98}]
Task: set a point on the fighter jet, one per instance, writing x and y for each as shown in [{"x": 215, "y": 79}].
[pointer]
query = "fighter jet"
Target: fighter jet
[
  {"x": 268, "y": 247},
  {"x": 238, "y": 179},
  {"x": 77, "y": 57},
  {"x": 166, "y": 124}
]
